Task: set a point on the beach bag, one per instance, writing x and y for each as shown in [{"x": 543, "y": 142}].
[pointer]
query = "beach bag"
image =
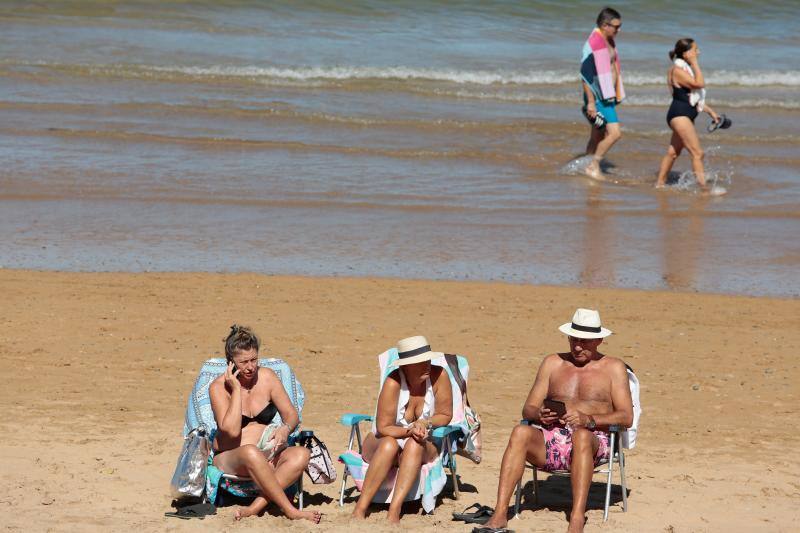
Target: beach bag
[
  {"x": 469, "y": 446},
  {"x": 320, "y": 466},
  {"x": 189, "y": 479}
]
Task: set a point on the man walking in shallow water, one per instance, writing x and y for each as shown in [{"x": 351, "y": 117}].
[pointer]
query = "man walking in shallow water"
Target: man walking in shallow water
[
  {"x": 594, "y": 388},
  {"x": 601, "y": 81}
]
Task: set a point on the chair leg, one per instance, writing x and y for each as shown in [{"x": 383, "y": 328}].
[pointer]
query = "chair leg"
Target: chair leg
[
  {"x": 300, "y": 491},
  {"x": 358, "y": 436},
  {"x": 535, "y": 486},
  {"x": 608, "y": 482},
  {"x": 353, "y": 430},
  {"x": 518, "y": 498},
  {"x": 344, "y": 484},
  {"x": 451, "y": 459},
  {"x": 622, "y": 481}
]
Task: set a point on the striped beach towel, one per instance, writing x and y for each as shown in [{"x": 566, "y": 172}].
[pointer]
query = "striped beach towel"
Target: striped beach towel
[{"x": 596, "y": 68}]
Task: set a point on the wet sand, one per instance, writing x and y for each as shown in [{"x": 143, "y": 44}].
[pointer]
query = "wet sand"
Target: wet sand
[{"x": 99, "y": 366}]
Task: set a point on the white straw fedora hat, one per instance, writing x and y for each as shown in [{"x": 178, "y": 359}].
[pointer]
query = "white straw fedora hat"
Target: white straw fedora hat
[
  {"x": 585, "y": 325},
  {"x": 414, "y": 350}
]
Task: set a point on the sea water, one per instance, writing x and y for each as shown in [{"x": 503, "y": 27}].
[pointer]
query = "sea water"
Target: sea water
[{"x": 391, "y": 138}]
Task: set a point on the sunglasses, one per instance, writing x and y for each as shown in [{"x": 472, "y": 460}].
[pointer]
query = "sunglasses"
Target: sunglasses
[{"x": 615, "y": 26}]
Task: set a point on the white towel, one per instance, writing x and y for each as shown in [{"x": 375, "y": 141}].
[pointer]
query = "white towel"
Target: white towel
[{"x": 697, "y": 97}]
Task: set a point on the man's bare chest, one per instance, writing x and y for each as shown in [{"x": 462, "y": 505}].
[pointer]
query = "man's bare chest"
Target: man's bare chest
[{"x": 580, "y": 384}]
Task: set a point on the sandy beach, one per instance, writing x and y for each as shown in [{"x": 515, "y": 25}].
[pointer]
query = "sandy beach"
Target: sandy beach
[{"x": 99, "y": 366}]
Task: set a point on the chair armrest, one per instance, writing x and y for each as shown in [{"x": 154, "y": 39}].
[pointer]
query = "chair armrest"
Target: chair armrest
[
  {"x": 351, "y": 418},
  {"x": 443, "y": 431},
  {"x": 349, "y": 459}
]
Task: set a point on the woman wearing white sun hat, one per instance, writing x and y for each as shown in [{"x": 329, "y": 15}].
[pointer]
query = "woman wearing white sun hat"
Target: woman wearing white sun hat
[{"x": 415, "y": 398}]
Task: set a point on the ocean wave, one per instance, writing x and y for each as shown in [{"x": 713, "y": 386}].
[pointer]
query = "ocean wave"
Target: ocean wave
[
  {"x": 529, "y": 97},
  {"x": 339, "y": 74},
  {"x": 473, "y": 77}
]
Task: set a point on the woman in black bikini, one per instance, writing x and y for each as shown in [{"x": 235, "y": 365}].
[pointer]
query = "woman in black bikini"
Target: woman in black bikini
[
  {"x": 682, "y": 113},
  {"x": 244, "y": 400}
]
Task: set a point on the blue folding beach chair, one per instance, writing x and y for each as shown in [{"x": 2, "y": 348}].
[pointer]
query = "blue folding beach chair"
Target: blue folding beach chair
[
  {"x": 199, "y": 413},
  {"x": 432, "y": 476}
]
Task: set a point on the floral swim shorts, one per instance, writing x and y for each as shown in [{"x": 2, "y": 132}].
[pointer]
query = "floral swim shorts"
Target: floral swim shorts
[{"x": 558, "y": 448}]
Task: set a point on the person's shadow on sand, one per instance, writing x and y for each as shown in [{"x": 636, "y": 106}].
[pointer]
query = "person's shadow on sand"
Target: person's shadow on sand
[
  {"x": 555, "y": 494},
  {"x": 309, "y": 500}
]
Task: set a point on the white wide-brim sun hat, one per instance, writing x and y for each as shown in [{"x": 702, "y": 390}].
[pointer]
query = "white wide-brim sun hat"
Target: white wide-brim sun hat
[
  {"x": 585, "y": 325},
  {"x": 414, "y": 350}
]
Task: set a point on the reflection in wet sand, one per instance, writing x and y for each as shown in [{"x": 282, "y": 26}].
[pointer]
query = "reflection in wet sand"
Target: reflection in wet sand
[
  {"x": 683, "y": 237},
  {"x": 598, "y": 240}
]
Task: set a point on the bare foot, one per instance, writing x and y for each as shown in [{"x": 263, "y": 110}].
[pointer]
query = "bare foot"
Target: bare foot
[
  {"x": 393, "y": 518},
  {"x": 358, "y": 515},
  {"x": 244, "y": 512},
  {"x": 576, "y": 524},
  {"x": 593, "y": 171},
  {"x": 311, "y": 516},
  {"x": 497, "y": 521}
]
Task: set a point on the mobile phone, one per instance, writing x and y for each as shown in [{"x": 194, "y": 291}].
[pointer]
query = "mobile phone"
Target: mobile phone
[{"x": 559, "y": 407}]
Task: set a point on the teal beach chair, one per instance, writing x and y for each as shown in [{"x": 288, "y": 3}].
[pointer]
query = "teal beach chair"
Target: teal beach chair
[
  {"x": 432, "y": 476},
  {"x": 199, "y": 413}
]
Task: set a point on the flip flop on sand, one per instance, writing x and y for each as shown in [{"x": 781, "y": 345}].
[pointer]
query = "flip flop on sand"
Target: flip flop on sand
[
  {"x": 481, "y": 514},
  {"x": 492, "y": 530},
  {"x": 198, "y": 510}
]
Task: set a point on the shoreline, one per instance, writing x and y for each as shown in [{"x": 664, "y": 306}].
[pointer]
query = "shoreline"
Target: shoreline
[
  {"x": 93, "y": 438},
  {"x": 398, "y": 279}
]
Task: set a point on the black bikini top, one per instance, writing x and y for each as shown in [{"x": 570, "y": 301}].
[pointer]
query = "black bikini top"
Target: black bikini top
[{"x": 264, "y": 417}]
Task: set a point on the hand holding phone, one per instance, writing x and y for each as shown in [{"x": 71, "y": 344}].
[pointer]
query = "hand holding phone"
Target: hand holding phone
[
  {"x": 556, "y": 406},
  {"x": 230, "y": 376}
]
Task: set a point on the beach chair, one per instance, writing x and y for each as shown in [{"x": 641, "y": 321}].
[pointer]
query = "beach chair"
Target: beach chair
[
  {"x": 432, "y": 475},
  {"x": 199, "y": 413},
  {"x": 619, "y": 440}
]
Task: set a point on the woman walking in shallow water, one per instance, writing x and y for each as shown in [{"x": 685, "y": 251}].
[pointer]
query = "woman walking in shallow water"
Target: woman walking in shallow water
[{"x": 687, "y": 84}]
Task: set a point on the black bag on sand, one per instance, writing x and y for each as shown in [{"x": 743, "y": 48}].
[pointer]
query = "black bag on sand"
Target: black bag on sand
[{"x": 197, "y": 510}]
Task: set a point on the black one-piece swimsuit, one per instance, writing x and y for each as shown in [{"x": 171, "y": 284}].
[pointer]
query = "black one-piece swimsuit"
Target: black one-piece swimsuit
[{"x": 680, "y": 106}]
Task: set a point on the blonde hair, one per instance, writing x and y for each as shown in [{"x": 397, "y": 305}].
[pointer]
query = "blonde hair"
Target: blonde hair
[{"x": 241, "y": 338}]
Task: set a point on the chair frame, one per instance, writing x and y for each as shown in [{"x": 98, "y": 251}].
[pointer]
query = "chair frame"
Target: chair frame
[
  {"x": 617, "y": 456},
  {"x": 444, "y": 433}
]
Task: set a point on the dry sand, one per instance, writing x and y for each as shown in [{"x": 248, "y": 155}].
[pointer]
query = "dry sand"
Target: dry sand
[{"x": 97, "y": 369}]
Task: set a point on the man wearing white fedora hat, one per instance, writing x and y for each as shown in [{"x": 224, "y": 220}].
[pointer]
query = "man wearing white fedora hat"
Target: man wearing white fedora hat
[{"x": 585, "y": 392}]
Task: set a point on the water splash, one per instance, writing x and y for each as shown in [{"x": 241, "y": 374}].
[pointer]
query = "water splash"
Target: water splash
[
  {"x": 576, "y": 166},
  {"x": 718, "y": 181}
]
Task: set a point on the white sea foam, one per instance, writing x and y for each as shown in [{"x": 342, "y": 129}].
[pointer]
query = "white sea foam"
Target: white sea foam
[
  {"x": 473, "y": 77},
  {"x": 746, "y": 78},
  {"x": 636, "y": 100}
]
